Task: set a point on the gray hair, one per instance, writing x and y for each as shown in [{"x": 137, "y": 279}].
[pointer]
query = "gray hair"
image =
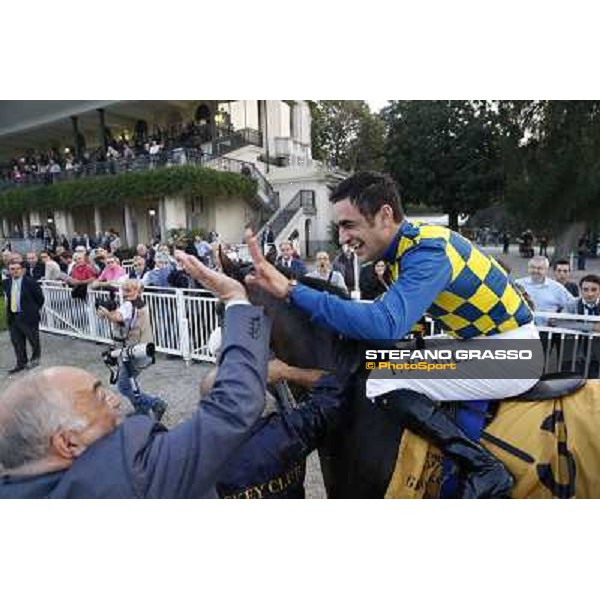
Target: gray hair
[
  {"x": 31, "y": 412},
  {"x": 539, "y": 261},
  {"x": 162, "y": 257}
]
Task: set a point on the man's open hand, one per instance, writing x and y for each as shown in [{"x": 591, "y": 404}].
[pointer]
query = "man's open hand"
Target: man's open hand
[
  {"x": 225, "y": 288},
  {"x": 265, "y": 274}
]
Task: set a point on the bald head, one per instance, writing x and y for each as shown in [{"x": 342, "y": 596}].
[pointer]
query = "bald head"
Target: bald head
[{"x": 42, "y": 405}]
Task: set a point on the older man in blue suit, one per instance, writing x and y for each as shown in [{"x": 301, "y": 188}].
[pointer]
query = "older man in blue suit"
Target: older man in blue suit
[{"x": 60, "y": 435}]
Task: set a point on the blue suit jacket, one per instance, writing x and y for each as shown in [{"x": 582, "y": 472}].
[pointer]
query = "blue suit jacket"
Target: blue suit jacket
[
  {"x": 141, "y": 459},
  {"x": 298, "y": 268}
]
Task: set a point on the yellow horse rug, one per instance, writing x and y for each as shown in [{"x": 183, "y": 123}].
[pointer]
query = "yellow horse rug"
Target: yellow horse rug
[{"x": 552, "y": 447}]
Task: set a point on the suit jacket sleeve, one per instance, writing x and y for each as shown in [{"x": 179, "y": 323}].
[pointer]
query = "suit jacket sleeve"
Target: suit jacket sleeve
[{"x": 186, "y": 461}]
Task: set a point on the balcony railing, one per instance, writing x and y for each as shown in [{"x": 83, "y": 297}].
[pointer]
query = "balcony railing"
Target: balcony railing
[
  {"x": 200, "y": 155},
  {"x": 248, "y": 169},
  {"x": 304, "y": 199}
]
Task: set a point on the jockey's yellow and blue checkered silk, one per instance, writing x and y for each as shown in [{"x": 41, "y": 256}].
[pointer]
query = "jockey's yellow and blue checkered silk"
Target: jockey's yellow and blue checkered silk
[
  {"x": 436, "y": 272},
  {"x": 479, "y": 298}
]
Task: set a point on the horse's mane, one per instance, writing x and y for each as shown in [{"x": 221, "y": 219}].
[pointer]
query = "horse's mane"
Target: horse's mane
[
  {"x": 323, "y": 286},
  {"x": 240, "y": 269}
]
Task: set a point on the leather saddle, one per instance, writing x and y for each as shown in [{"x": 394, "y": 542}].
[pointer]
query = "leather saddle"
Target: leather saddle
[{"x": 552, "y": 386}]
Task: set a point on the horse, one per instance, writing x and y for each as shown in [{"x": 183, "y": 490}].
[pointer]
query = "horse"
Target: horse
[{"x": 550, "y": 445}]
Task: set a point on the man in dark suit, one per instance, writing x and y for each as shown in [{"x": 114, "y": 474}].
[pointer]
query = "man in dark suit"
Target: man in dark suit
[
  {"x": 287, "y": 260},
  {"x": 35, "y": 267},
  {"x": 588, "y": 305},
  {"x": 62, "y": 437},
  {"x": 24, "y": 299}
]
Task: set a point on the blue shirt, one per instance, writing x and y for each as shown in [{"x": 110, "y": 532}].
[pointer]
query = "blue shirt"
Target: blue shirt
[
  {"x": 157, "y": 277},
  {"x": 549, "y": 296},
  {"x": 426, "y": 273}
]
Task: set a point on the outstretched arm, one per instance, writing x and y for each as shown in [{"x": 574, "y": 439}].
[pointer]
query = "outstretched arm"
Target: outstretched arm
[{"x": 425, "y": 274}]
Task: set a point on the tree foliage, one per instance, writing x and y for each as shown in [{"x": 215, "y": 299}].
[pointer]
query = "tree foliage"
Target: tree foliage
[
  {"x": 445, "y": 154},
  {"x": 187, "y": 181},
  {"x": 346, "y": 134},
  {"x": 552, "y": 151}
]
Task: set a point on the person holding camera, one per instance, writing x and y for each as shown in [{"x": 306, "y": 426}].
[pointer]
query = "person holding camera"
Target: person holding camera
[{"x": 133, "y": 318}]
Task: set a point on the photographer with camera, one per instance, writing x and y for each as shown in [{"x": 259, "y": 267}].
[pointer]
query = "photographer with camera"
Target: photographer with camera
[{"x": 134, "y": 331}]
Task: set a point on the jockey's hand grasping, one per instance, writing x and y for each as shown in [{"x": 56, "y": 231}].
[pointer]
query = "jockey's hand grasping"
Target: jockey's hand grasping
[
  {"x": 225, "y": 288},
  {"x": 265, "y": 274}
]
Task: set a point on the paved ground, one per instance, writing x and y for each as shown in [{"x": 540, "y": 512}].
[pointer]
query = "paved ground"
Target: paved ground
[{"x": 169, "y": 378}]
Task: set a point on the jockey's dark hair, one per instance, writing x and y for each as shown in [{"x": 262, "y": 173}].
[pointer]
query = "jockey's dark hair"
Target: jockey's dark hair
[
  {"x": 591, "y": 278},
  {"x": 561, "y": 261},
  {"x": 369, "y": 191}
]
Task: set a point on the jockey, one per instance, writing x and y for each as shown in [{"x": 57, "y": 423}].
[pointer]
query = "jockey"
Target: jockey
[{"x": 434, "y": 271}]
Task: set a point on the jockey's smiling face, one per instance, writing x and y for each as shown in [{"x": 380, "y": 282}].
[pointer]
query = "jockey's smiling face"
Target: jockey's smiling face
[{"x": 369, "y": 237}]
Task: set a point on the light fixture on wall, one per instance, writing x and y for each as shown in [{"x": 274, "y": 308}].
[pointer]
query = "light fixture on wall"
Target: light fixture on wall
[
  {"x": 151, "y": 212},
  {"x": 50, "y": 220}
]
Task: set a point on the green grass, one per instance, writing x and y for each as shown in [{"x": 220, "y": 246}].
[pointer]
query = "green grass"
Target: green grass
[{"x": 2, "y": 313}]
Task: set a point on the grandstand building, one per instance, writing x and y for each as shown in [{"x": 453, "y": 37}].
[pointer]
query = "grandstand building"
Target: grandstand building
[{"x": 63, "y": 165}]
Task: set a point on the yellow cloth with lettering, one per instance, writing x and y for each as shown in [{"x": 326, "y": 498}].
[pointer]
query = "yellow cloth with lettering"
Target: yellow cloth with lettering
[{"x": 557, "y": 443}]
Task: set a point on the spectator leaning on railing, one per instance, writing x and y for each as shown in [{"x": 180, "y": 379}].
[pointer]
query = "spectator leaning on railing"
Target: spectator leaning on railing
[
  {"x": 588, "y": 352},
  {"x": 547, "y": 295},
  {"x": 82, "y": 275},
  {"x": 52, "y": 271},
  {"x": 159, "y": 276},
  {"x": 588, "y": 305},
  {"x": 139, "y": 269},
  {"x": 112, "y": 275}
]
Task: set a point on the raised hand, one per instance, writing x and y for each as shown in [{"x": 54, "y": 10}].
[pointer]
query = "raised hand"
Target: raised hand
[
  {"x": 265, "y": 274},
  {"x": 225, "y": 288}
]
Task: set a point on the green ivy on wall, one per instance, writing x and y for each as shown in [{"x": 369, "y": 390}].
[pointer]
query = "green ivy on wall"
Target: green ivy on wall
[{"x": 105, "y": 190}]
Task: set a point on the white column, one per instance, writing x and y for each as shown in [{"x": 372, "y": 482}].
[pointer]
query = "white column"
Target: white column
[
  {"x": 174, "y": 213},
  {"x": 301, "y": 123},
  {"x": 129, "y": 234},
  {"x": 25, "y": 221},
  {"x": 60, "y": 222},
  {"x": 35, "y": 218},
  {"x": 70, "y": 224},
  {"x": 161, "y": 220},
  {"x": 3, "y": 228},
  {"x": 97, "y": 220}
]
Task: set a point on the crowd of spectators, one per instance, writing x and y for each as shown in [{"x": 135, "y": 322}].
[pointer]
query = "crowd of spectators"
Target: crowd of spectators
[{"x": 50, "y": 165}]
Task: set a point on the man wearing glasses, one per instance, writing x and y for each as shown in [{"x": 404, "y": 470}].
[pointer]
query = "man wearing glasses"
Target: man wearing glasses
[{"x": 112, "y": 275}]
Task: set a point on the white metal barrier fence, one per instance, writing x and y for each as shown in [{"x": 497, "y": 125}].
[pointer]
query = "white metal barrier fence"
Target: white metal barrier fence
[
  {"x": 571, "y": 342},
  {"x": 182, "y": 320}
]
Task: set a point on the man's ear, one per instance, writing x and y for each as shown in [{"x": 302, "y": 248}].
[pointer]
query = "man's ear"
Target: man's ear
[
  {"x": 387, "y": 213},
  {"x": 67, "y": 444}
]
